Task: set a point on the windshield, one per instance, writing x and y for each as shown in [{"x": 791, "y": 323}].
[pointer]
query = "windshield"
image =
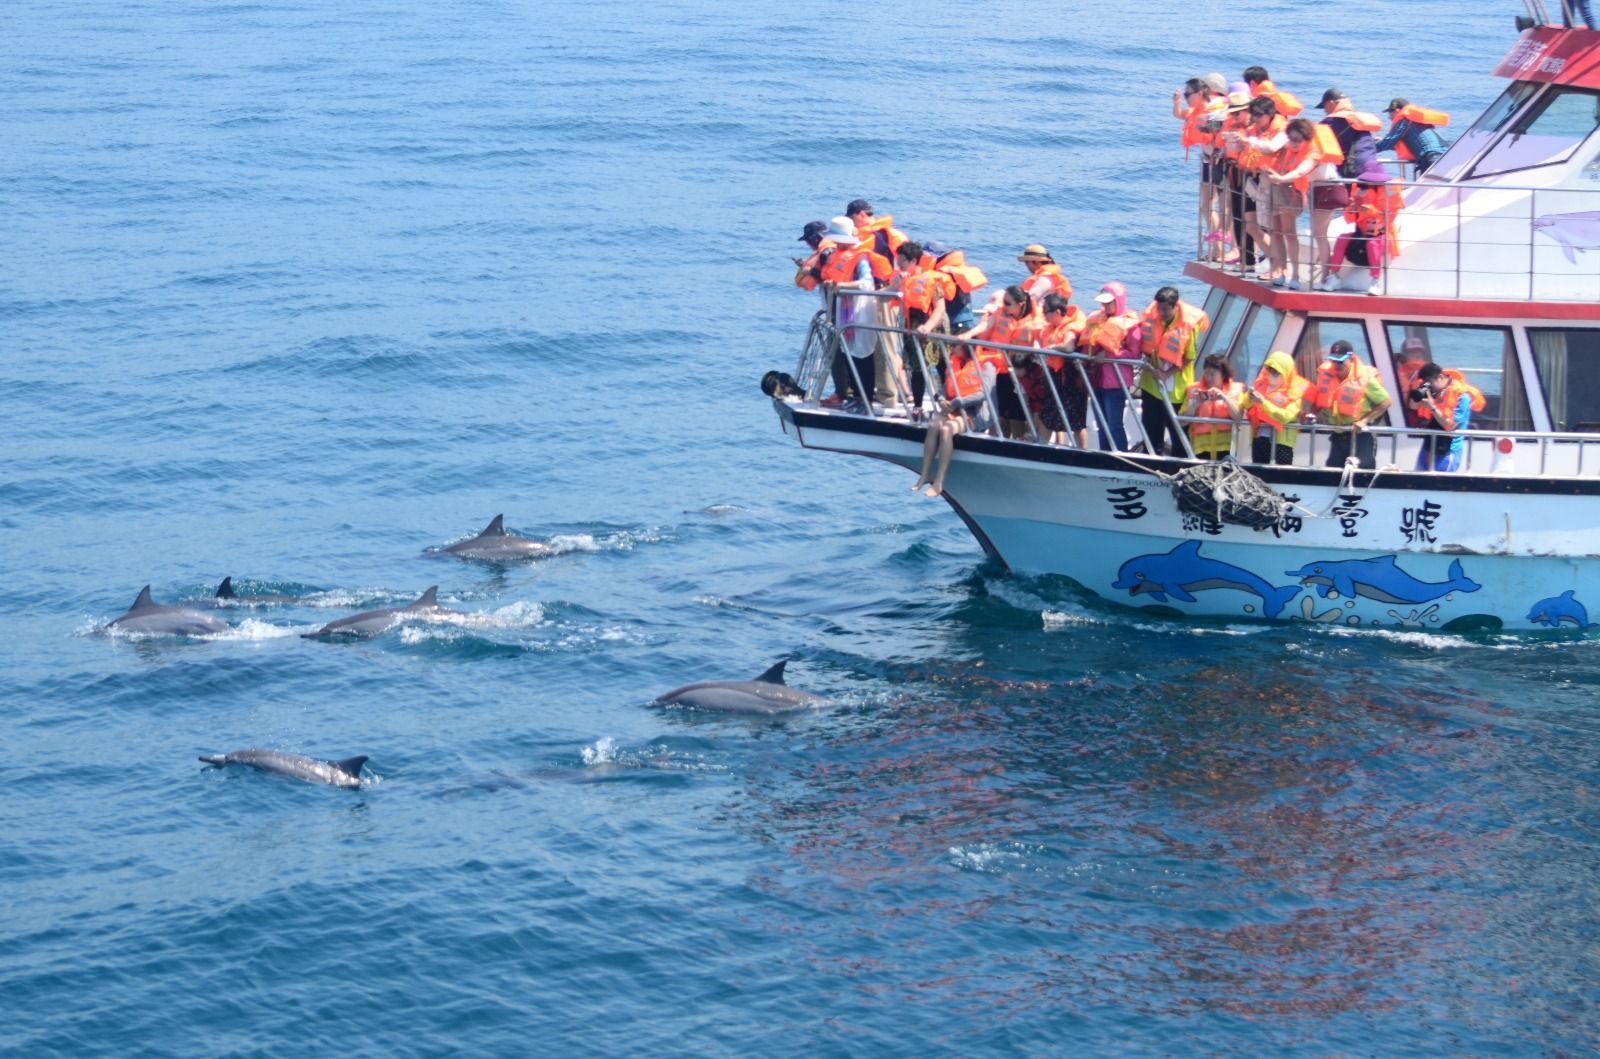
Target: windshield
[
  {"x": 1547, "y": 133},
  {"x": 1483, "y": 130}
]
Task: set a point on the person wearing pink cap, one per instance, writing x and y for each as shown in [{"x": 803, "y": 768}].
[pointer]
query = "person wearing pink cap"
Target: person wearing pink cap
[{"x": 1112, "y": 333}]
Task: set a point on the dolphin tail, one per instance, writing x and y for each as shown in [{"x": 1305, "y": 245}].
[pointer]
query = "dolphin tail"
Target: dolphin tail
[
  {"x": 429, "y": 598},
  {"x": 1276, "y": 599},
  {"x": 773, "y": 675},
  {"x": 214, "y": 759},
  {"x": 225, "y": 590},
  {"x": 1460, "y": 580},
  {"x": 351, "y": 765}
]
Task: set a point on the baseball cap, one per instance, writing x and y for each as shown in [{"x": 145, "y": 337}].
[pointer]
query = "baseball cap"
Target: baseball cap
[
  {"x": 1329, "y": 96},
  {"x": 1341, "y": 350},
  {"x": 813, "y": 230}
]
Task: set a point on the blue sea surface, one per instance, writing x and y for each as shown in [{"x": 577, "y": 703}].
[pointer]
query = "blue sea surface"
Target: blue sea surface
[{"x": 299, "y": 292}]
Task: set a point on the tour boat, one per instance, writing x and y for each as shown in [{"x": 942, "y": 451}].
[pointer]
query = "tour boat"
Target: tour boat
[{"x": 1499, "y": 278}]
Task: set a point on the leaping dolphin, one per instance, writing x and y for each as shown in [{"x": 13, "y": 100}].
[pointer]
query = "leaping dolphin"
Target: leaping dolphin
[
  {"x": 346, "y": 773},
  {"x": 150, "y": 618},
  {"x": 376, "y": 622},
  {"x": 765, "y": 696},
  {"x": 495, "y": 544}
]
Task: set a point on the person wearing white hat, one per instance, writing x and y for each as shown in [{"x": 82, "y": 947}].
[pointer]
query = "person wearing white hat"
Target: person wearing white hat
[{"x": 849, "y": 268}]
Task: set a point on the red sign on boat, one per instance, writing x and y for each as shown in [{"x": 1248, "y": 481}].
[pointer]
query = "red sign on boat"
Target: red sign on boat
[{"x": 1551, "y": 53}]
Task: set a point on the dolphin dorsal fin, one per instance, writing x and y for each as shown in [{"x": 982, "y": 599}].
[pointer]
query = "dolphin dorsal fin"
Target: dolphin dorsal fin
[
  {"x": 1567, "y": 595},
  {"x": 429, "y": 598},
  {"x": 1388, "y": 560},
  {"x": 225, "y": 590},
  {"x": 495, "y": 528},
  {"x": 143, "y": 601},
  {"x": 773, "y": 675},
  {"x": 1190, "y": 549},
  {"x": 352, "y": 765}
]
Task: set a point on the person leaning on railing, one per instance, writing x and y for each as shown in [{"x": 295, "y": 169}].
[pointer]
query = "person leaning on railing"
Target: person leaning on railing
[
  {"x": 1012, "y": 322},
  {"x": 1170, "y": 344},
  {"x": 1113, "y": 333},
  {"x": 964, "y": 408},
  {"x": 1349, "y": 395},
  {"x": 923, "y": 293}
]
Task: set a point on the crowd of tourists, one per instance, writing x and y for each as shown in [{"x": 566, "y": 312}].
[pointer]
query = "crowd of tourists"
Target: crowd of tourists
[
  {"x": 922, "y": 341},
  {"x": 1262, "y": 164}
]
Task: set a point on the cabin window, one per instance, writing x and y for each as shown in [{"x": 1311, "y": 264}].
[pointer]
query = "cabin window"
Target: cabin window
[
  {"x": 1250, "y": 349},
  {"x": 1224, "y": 322},
  {"x": 1569, "y": 373},
  {"x": 1320, "y": 334},
  {"x": 1214, "y": 302},
  {"x": 1485, "y": 357},
  {"x": 1547, "y": 134},
  {"x": 1483, "y": 130}
]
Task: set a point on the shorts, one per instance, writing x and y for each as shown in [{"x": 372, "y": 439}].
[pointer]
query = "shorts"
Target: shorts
[
  {"x": 1212, "y": 172},
  {"x": 1276, "y": 198},
  {"x": 1330, "y": 197}
]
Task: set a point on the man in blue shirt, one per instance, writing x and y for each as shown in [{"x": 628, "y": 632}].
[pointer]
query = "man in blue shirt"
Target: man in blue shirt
[
  {"x": 1440, "y": 403},
  {"x": 1422, "y": 142}
]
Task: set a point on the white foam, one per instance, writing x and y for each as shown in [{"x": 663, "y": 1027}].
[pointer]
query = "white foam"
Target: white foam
[
  {"x": 520, "y": 615},
  {"x": 602, "y": 752},
  {"x": 994, "y": 858}
]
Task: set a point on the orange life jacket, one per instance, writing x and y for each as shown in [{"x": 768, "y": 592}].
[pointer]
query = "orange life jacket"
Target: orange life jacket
[
  {"x": 1417, "y": 116},
  {"x": 892, "y": 237},
  {"x": 1360, "y": 119},
  {"x": 805, "y": 276},
  {"x": 1193, "y": 135},
  {"x": 967, "y": 277},
  {"x": 1171, "y": 342},
  {"x": 1456, "y": 385},
  {"x": 1048, "y": 280},
  {"x": 1009, "y": 330},
  {"x": 1345, "y": 398},
  {"x": 1324, "y": 144},
  {"x": 1215, "y": 408},
  {"x": 1105, "y": 333},
  {"x": 1288, "y": 103},
  {"x": 1235, "y": 122},
  {"x": 965, "y": 379},
  {"x": 1375, "y": 210},
  {"x": 1289, "y": 390},
  {"x": 1052, "y": 336},
  {"x": 1253, "y": 159},
  {"x": 921, "y": 289},
  {"x": 841, "y": 266}
]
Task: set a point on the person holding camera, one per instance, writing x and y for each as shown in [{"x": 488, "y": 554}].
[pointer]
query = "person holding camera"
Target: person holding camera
[
  {"x": 1215, "y": 396},
  {"x": 1441, "y": 402}
]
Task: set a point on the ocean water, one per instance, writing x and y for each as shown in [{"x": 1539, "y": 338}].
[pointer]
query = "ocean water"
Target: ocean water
[{"x": 298, "y": 292}]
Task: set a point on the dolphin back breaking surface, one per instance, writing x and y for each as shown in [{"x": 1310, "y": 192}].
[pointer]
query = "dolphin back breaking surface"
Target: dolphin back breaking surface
[
  {"x": 495, "y": 544},
  {"x": 148, "y": 618},
  {"x": 766, "y": 695},
  {"x": 346, "y": 773},
  {"x": 375, "y": 622}
]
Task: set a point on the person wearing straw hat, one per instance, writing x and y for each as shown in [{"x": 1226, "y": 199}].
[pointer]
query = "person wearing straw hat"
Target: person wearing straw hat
[{"x": 1045, "y": 276}]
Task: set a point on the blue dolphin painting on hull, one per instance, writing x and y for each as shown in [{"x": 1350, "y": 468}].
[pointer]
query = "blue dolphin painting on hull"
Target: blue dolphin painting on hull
[
  {"x": 1557, "y": 609},
  {"x": 1184, "y": 571},
  {"x": 1380, "y": 579}
]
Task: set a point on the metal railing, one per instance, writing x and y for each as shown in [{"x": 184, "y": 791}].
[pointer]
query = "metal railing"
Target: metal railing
[
  {"x": 828, "y": 352},
  {"x": 1466, "y": 239}
]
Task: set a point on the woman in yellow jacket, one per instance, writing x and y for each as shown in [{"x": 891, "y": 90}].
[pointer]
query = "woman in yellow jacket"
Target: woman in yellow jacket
[{"x": 1272, "y": 405}]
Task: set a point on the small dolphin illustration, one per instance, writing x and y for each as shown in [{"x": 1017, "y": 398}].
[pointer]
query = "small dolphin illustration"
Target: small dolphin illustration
[
  {"x": 766, "y": 695},
  {"x": 346, "y": 773},
  {"x": 375, "y": 622},
  {"x": 1557, "y": 609},
  {"x": 1184, "y": 570},
  {"x": 1380, "y": 579},
  {"x": 495, "y": 544},
  {"x": 150, "y": 618},
  {"x": 1575, "y": 232},
  {"x": 225, "y": 595}
]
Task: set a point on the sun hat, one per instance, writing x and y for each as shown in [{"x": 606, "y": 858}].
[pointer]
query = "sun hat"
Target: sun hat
[
  {"x": 1035, "y": 252},
  {"x": 1105, "y": 297},
  {"x": 1373, "y": 174},
  {"x": 843, "y": 230},
  {"x": 1238, "y": 100},
  {"x": 1216, "y": 82}
]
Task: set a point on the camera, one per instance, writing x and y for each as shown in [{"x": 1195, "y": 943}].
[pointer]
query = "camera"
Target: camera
[{"x": 1421, "y": 393}]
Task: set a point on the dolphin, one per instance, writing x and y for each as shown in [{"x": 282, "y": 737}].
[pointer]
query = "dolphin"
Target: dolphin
[
  {"x": 375, "y": 622},
  {"x": 346, "y": 773},
  {"x": 154, "y": 619},
  {"x": 226, "y": 594},
  {"x": 1557, "y": 609},
  {"x": 1184, "y": 571},
  {"x": 765, "y": 696},
  {"x": 1576, "y": 233},
  {"x": 1380, "y": 579},
  {"x": 495, "y": 544}
]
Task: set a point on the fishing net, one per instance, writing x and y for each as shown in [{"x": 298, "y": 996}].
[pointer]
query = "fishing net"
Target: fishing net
[{"x": 1228, "y": 493}]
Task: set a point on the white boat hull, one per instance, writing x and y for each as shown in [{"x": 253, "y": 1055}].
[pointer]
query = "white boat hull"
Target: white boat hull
[{"x": 1404, "y": 550}]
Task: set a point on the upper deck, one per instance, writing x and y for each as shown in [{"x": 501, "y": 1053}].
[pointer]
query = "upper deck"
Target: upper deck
[{"x": 1511, "y": 213}]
